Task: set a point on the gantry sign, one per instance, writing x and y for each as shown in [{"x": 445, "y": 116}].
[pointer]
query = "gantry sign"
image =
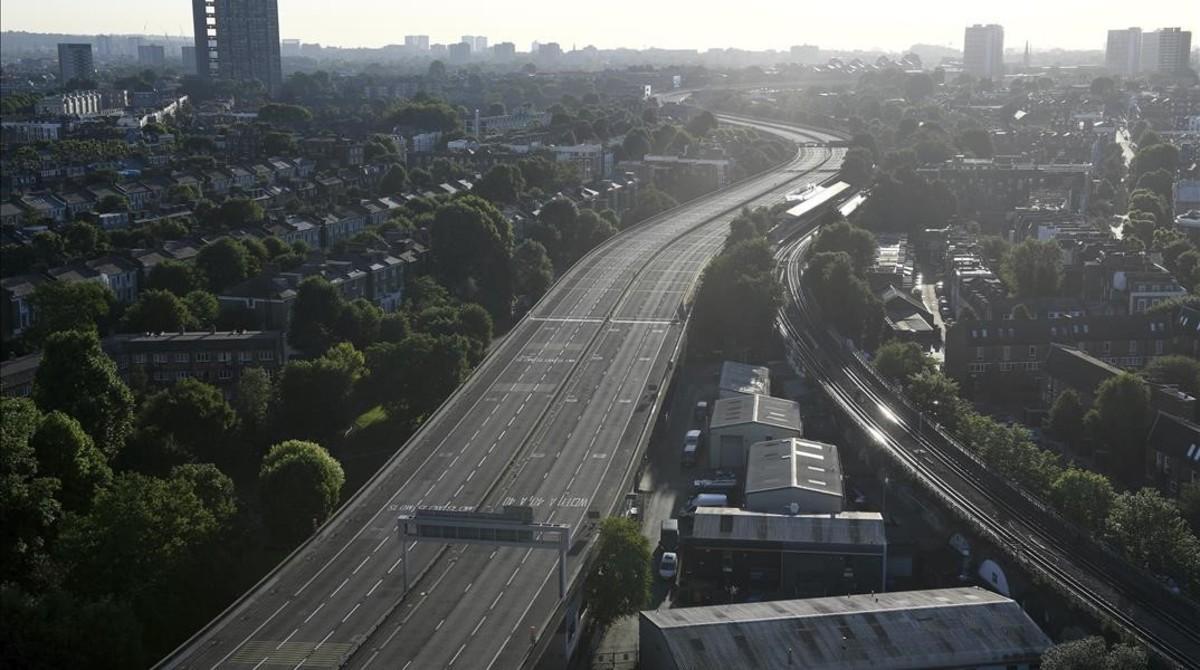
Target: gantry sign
[{"x": 512, "y": 527}]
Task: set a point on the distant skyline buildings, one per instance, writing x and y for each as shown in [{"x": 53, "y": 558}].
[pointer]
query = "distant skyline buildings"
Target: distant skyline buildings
[
  {"x": 75, "y": 62},
  {"x": 1123, "y": 52},
  {"x": 983, "y": 51},
  {"x": 238, "y": 40},
  {"x": 1130, "y": 51}
]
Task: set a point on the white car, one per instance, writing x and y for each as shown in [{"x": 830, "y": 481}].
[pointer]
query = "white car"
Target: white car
[{"x": 668, "y": 564}]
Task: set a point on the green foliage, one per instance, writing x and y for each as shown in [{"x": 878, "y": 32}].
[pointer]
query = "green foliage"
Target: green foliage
[
  {"x": 157, "y": 311},
  {"x": 976, "y": 141},
  {"x": 1159, "y": 156},
  {"x": 78, "y": 378},
  {"x": 501, "y": 184},
  {"x": 1009, "y": 450},
  {"x": 55, "y": 629},
  {"x": 300, "y": 484},
  {"x": 736, "y": 302},
  {"x": 395, "y": 181},
  {"x": 1033, "y": 269},
  {"x": 1150, "y": 530},
  {"x": 844, "y": 298},
  {"x": 533, "y": 273},
  {"x": 315, "y": 314},
  {"x": 1119, "y": 420},
  {"x": 1176, "y": 370},
  {"x": 189, "y": 421},
  {"x": 413, "y": 376},
  {"x": 284, "y": 114},
  {"x": 173, "y": 276},
  {"x": 859, "y": 243},
  {"x": 253, "y": 399},
  {"x": 316, "y": 397},
  {"x": 426, "y": 115},
  {"x": 619, "y": 584},
  {"x": 858, "y": 166},
  {"x": 1083, "y": 497},
  {"x": 900, "y": 361},
  {"x": 224, "y": 263},
  {"x": 635, "y": 145},
  {"x": 203, "y": 308},
  {"x": 67, "y": 453},
  {"x": 650, "y": 201},
  {"x": 29, "y": 509},
  {"x": 1092, "y": 653},
  {"x": 1066, "y": 418},
  {"x": 472, "y": 248},
  {"x": 936, "y": 395},
  {"x": 63, "y": 306}
]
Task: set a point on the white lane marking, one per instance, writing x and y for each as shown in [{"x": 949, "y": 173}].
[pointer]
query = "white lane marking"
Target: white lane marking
[
  {"x": 339, "y": 588},
  {"x": 439, "y": 626},
  {"x": 352, "y": 611},
  {"x": 381, "y": 543},
  {"x": 493, "y": 605},
  {"x": 456, "y": 654},
  {"x": 395, "y": 564},
  {"x": 313, "y": 613},
  {"x": 364, "y": 562},
  {"x": 323, "y": 640},
  {"x": 260, "y": 663},
  {"x": 285, "y": 640},
  {"x": 468, "y": 587},
  {"x": 251, "y": 635},
  {"x": 478, "y": 625},
  {"x": 375, "y": 587}
]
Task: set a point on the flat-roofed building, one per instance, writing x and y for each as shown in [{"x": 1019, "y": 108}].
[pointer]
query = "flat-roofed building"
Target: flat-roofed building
[
  {"x": 796, "y": 554},
  {"x": 962, "y": 627},
  {"x": 738, "y": 379},
  {"x": 215, "y": 357},
  {"x": 739, "y": 422},
  {"x": 794, "y": 475}
]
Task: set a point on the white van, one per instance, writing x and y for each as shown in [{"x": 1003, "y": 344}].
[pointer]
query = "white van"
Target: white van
[
  {"x": 706, "y": 500},
  {"x": 691, "y": 444}
]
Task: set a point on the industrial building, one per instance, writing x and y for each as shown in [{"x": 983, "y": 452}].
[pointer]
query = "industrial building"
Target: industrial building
[
  {"x": 941, "y": 628},
  {"x": 794, "y": 476},
  {"x": 739, "y": 379},
  {"x": 741, "y": 421},
  {"x": 789, "y": 554}
]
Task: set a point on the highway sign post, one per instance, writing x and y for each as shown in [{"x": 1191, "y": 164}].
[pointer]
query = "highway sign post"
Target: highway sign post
[{"x": 511, "y": 527}]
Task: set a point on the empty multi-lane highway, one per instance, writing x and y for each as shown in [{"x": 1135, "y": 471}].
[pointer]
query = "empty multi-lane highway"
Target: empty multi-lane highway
[{"x": 554, "y": 419}]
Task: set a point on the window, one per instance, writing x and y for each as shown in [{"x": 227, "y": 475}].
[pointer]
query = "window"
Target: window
[
  {"x": 1007, "y": 354},
  {"x": 203, "y": 357},
  {"x": 1133, "y": 346},
  {"x": 225, "y": 374},
  {"x": 1158, "y": 347},
  {"x": 182, "y": 358},
  {"x": 1032, "y": 351},
  {"x": 160, "y": 376},
  {"x": 977, "y": 367},
  {"x": 182, "y": 374},
  {"x": 140, "y": 359},
  {"x": 224, "y": 356},
  {"x": 266, "y": 355},
  {"x": 1106, "y": 347},
  {"x": 245, "y": 356},
  {"x": 160, "y": 358},
  {"x": 979, "y": 353}
]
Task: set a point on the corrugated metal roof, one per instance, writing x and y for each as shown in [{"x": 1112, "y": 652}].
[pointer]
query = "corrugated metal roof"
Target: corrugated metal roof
[
  {"x": 793, "y": 463},
  {"x": 850, "y": 529},
  {"x": 959, "y": 627},
  {"x": 756, "y": 409}
]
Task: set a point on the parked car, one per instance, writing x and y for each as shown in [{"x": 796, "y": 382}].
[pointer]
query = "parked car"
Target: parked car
[{"x": 668, "y": 565}]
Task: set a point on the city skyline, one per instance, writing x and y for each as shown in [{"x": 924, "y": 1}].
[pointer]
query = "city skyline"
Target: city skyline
[{"x": 886, "y": 26}]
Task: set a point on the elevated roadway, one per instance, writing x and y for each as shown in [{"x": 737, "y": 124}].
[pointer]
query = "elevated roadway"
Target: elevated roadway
[{"x": 554, "y": 418}]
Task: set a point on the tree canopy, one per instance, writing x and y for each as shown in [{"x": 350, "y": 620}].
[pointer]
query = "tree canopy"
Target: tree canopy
[
  {"x": 300, "y": 485},
  {"x": 619, "y": 583},
  {"x": 78, "y": 378}
]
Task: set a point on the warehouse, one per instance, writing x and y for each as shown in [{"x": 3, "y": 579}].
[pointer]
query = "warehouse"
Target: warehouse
[
  {"x": 963, "y": 627},
  {"x": 741, "y": 421},
  {"x": 794, "y": 476}
]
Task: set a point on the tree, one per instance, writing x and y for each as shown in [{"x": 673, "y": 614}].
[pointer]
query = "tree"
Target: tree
[
  {"x": 1176, "y": 370},
  {"x": 978, "y": 141},
  {"x": 1033, "y": 269},
  {"x": 737, "y": 301},
  {"x": 1159, "y": 156},
  {"x": 936, "y": 395},
  {"x": 173, "y": 276},
  {"x": 111, "y": 204},
  {"x": 29, "y": 508},
  {"x": 66, "y": 452},
  {"x": 1153, "y": 204},
  {"x": 394, "y": 327},
  {"x": 412, "y": 377},
  {"x": 300, "y": 484},
  {"x": 472, "y": 250},
  {"x": 650, "y": 201},
  {"x": 203, "y": 307},
  {"x": 224, "y": 263},
  {"x": 358, "y": 323},
  {"x": 702, "y": 124},
  {"x": 253, "y": 398},
  {"x": 533, "y": 273},
  {"x": 316, "y": 396},
  {"x": 82, "y": 238},
  {"x": 395, "y": 181},
  {"x": 194, "y": 419},
  {"x": 858, "y": 166},
  {"x": 1091, "y": 653},
  {"x": 140, "y": 531},
  {"x": 1083, "y": 497},
  {"x": 1066, "y": 418},
  {"x": 619, "y": 584},
  {"x": 899, "y": 361},
  {"x": 157, "y": 311},
  {"x": 284, "y": 114},
  {"x": 918, "y": 86},
  {"x": 62, "y": 306},
  {"x": 859, "y": 243},
  {"x": 1150, "y": 530},
  {"x": 501, "y": 184},
  {"x": 315, "y": 314},
  {"x": 55, "y": 629},
  {"x": 78, "y": 378},
  {"x": 635, "y": 145},
  {"x": 1159, "y": 182},
  {"x": 1119, "y": 419},
  {"x": 844, "y": 298}
]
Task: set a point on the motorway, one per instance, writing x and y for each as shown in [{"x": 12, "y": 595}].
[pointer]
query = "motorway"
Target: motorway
[
  {"x": 1035, "y": 537},
  {"x": 555, "y": 418}
]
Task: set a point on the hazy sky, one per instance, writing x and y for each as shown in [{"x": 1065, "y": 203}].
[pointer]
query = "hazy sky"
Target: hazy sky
[{"x": 751, "y": 24}]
